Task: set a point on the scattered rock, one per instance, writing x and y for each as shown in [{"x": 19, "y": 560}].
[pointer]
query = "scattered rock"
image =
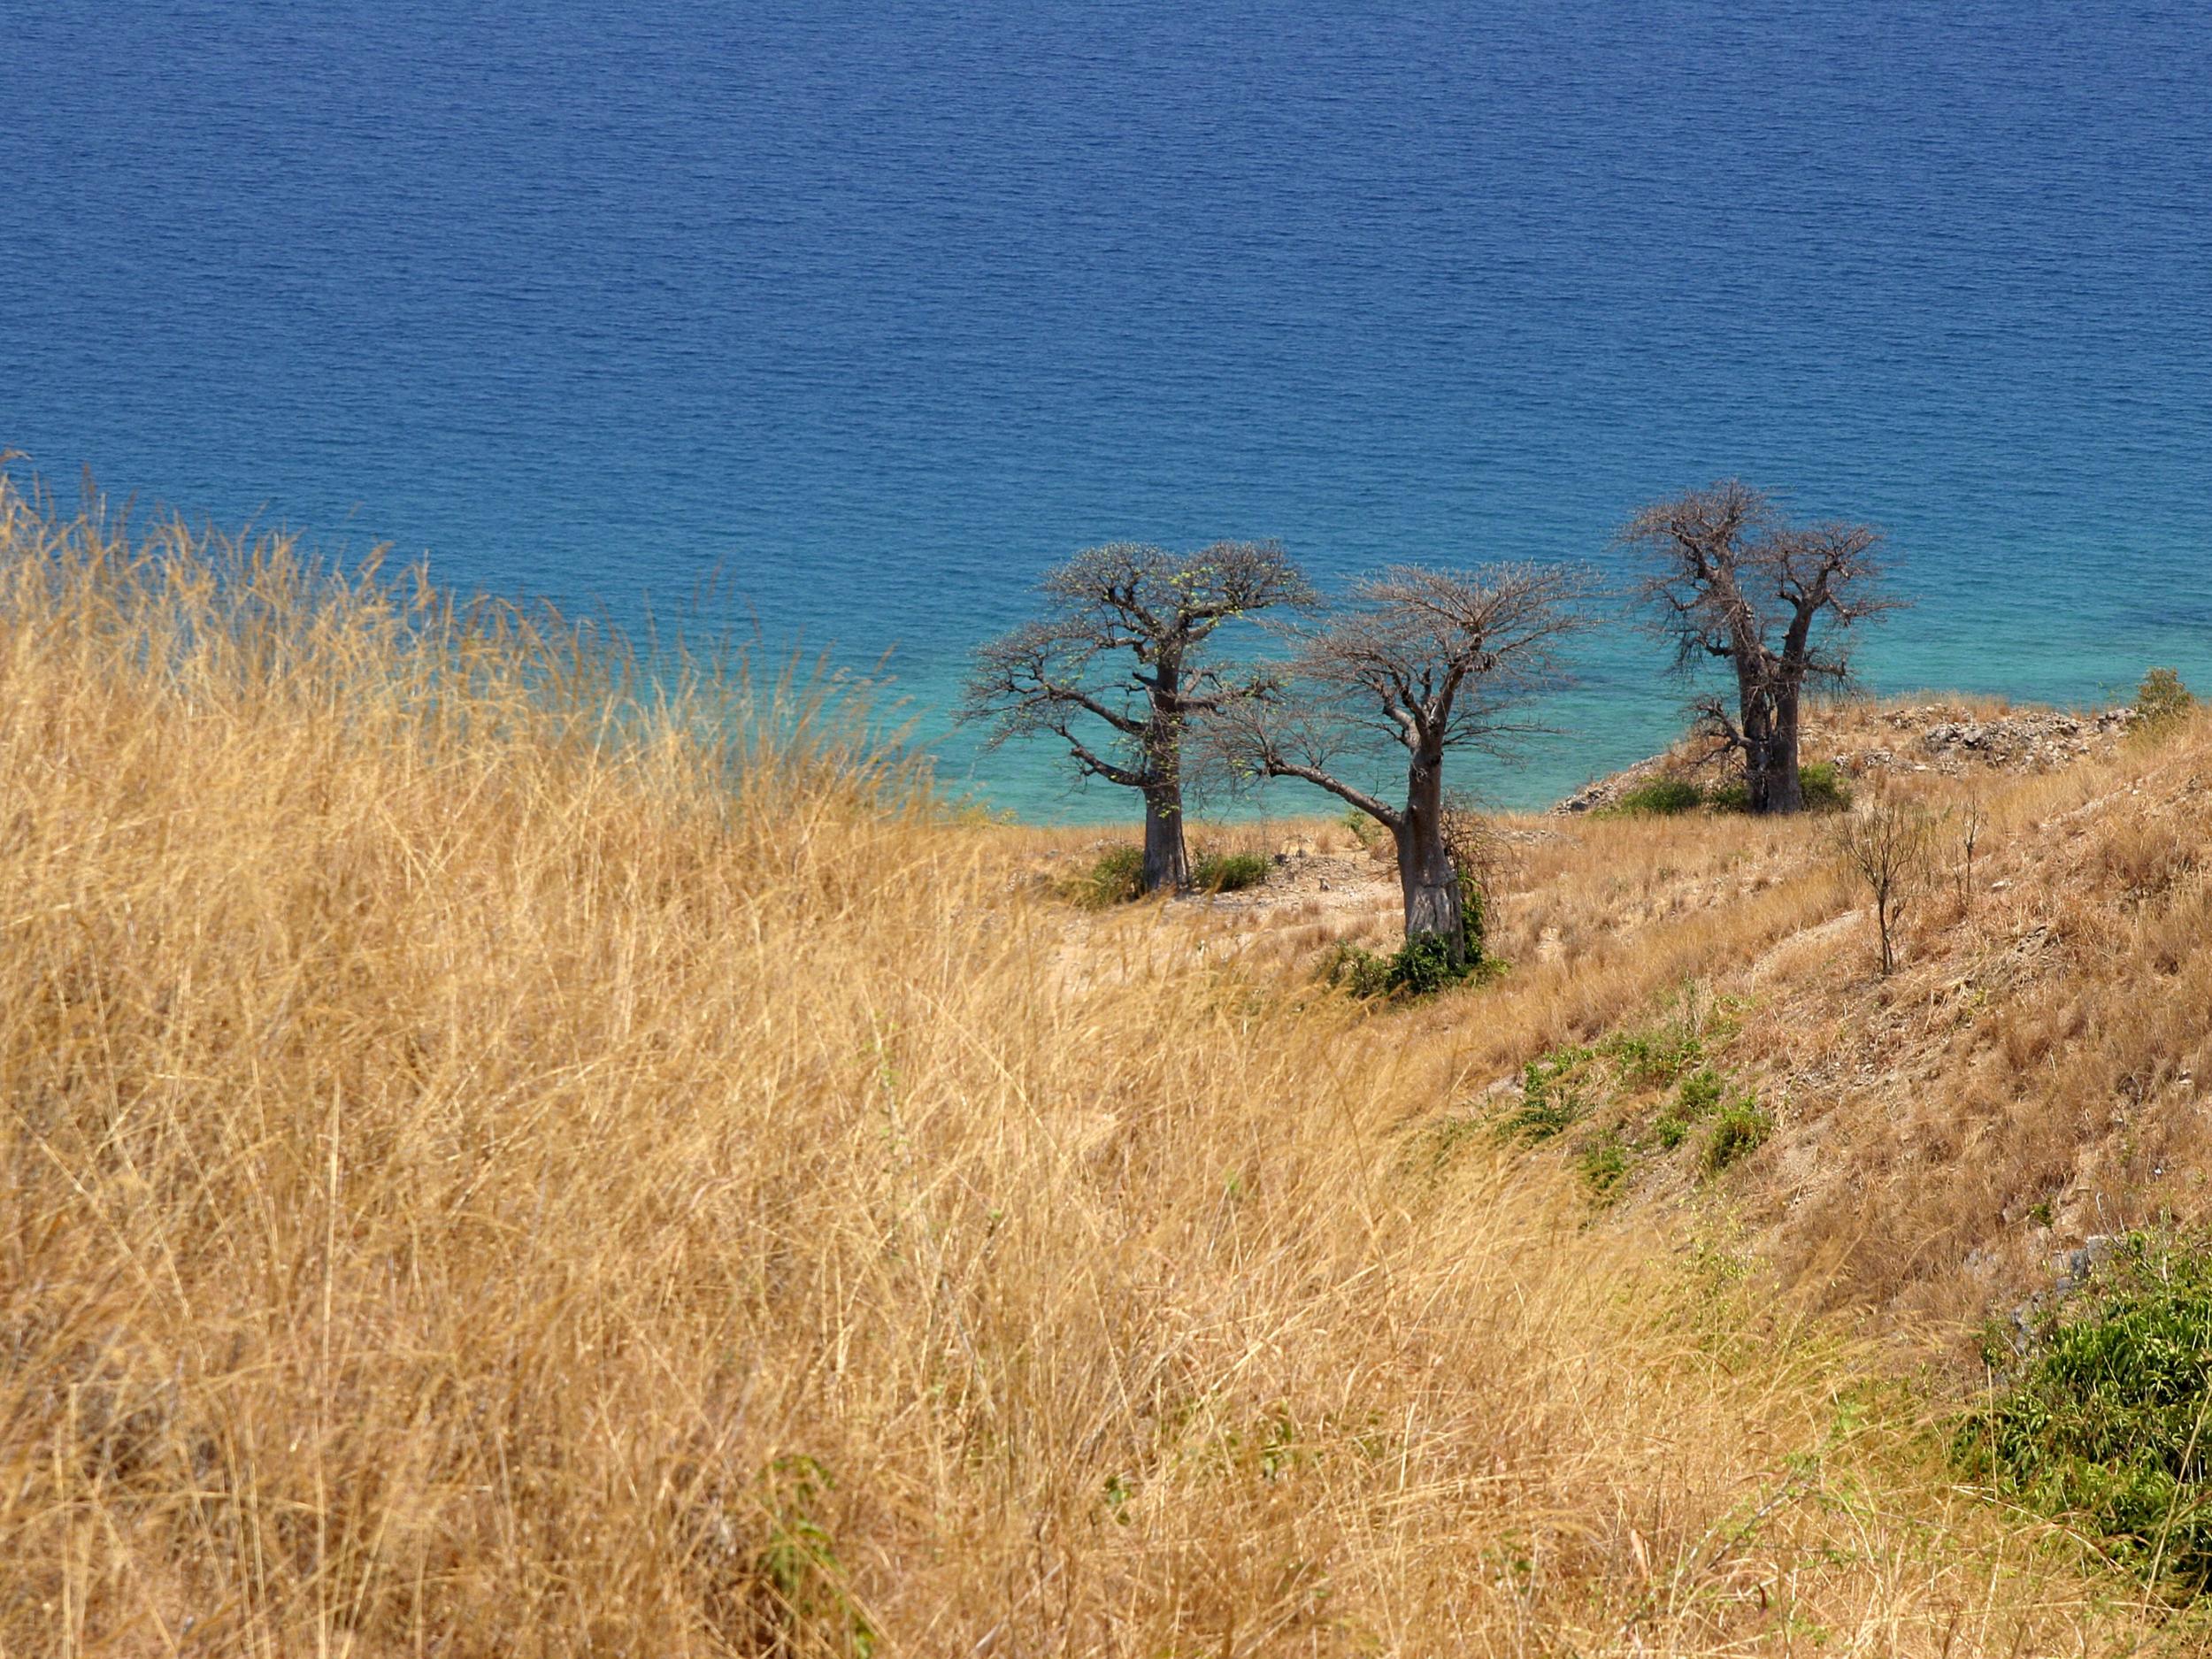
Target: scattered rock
[
  {"x": 2032, "y": 743},
  {"x": 2069, "y": 1270},
  {"x": 2075, "y": 1268}
]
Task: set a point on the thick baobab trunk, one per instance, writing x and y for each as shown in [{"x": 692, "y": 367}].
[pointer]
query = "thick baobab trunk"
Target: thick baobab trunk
[
  {"x": 1769, "y": 757},
  {"x": 1426, "y": 879},
  {"x": 1770, "y": 752},
  {"x": 1785, "y": 789},
  {"x": 1166, "y": 860}
]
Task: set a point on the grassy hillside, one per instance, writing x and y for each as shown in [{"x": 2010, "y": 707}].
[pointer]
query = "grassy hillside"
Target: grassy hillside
[
  {"x": 2033, "y": 1076},
  {"x": 495, "y": 1164}
]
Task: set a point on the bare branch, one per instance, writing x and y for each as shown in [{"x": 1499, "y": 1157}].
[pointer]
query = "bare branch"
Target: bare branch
[
  {"x": 1033, "y": 672},
  {"x": 1122, "y": 644},
  {"x": 1430, "y": 657},
  {"x": 1731, "y": 581},
  {"x": 1093, "y": 766},
  {"x": 1284, "y": 736},
  {"x": 1432, "y": 660}
]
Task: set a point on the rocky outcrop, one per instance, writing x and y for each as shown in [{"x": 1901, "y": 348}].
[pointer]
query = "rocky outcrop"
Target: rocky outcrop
[
  {"x": 1938, "y": 737},
  {"x": 2034, "y": 741}
]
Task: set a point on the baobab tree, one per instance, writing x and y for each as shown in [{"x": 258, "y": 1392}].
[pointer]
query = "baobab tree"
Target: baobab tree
[
  {"x": 1733, "y": 582},
  {"x": 1116, "y": 669},
  {"x": 1432, "y": 661}
]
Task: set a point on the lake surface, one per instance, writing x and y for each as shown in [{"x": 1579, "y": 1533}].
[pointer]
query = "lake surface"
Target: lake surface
[{"x": 876, "y": 311}]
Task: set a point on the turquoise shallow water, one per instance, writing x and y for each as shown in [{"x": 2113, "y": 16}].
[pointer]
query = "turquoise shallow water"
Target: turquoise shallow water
[{"x": 874, "y": 311}]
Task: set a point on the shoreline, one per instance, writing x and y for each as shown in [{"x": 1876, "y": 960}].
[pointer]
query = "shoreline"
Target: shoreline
[{"x": 1950, "y": 733}]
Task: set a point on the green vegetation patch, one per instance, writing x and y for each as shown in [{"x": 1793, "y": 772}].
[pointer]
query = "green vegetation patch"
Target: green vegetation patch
[
  {"x": 1360, "y": 971},
  {"x": 1658, "y": 797},
  {"x": 1228, "y": 872},
  {"x": 1420, "y": 967},
  {"x": 2161, "y": 700},
  {"x": 1116, "y": 878},
  {"x": 1695, "y": 1098},
  {"x": 1599, "y": 1098},
  {"x": 1604, "y": 1163},
  {"x": 1657, "y": 1055},
  {"x": 1553, "y": 1095},
  {"x": 1423, "y": 965},
  {"x": 1741, "y": 1129},
  {"x": 799, "y": 1569},
  {"x": 1822, "y": 783},
  {"x": 2105, "y": 1421},
  {"x": 1825, "y": 786},
  {"x": 1364, "y": 829}
]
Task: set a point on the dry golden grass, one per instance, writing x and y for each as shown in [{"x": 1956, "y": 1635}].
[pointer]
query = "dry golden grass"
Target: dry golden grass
[
  {"x": 2037, "y": 1071},
  {"x": 492, "y": 1166}
]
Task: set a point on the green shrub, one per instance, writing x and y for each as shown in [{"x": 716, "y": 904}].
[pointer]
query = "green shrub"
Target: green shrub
[
  {"x": 1228, "y": 872},
  {"x": 2162, "y": 699},
  {"x": 1695, "y": 1097},
  {"x": 1474, "y": 914},
  {"x": 1116, "y": 878},
  {"x": 1604, "y": 1165},
  {"x": 2104, "y": 1421},
  {"x": 1472, "y": 843},
  {"x": 1732, "y": 796},
  {"x": 1698, "y": 1092},
  {"x": 1825, "y": 787},
  {"x": 1541, "y": 1117},
  {"x": 1420, "y": 967},
  {"x": 1820, "y": 782},
  {"x": 1658, "y": 798},
  {"x": 1550, "y": 1098},
  {"x": 1741, "y": 1129},
  {"x": 1423, "y": 966},
  {"x": 1361, "y": 972},
  {"x": 1440, "y": 1142},
  {"x": 1659, "y": 1055},
  {"x": 800, "y": 1560}
]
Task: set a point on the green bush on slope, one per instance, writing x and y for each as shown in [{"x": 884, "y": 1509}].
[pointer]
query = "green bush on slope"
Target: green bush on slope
[
  {"x": 1660, "y": 797},
  {"x": 2162, "y": 699},
  {"x": 2106, "y": 1422},
  {"x": 1822, "y": 784},
  {"x": 1228, "y": 872},
  {"x": 1116, "y": 878}
]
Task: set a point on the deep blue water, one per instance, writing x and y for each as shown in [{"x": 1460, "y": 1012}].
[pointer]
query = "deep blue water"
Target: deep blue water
[{"x": 879, "y": 310}]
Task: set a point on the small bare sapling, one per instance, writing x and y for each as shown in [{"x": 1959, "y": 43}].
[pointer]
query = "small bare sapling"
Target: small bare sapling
[{"x": 1889, "y": 843}]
